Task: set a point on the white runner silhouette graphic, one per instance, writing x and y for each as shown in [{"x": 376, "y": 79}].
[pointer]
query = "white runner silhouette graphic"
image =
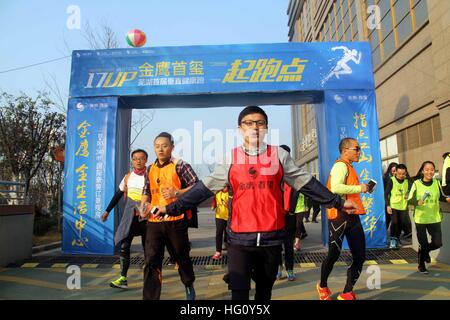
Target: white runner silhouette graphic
[{"x": 342, "y": 67}]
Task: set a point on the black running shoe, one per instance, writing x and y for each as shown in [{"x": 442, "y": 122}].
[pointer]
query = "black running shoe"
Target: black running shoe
[{"x": 423, "y": 270}]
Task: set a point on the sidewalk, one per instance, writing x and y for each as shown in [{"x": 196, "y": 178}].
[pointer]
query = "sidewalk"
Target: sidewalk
[{"x": 398, "y": 278}]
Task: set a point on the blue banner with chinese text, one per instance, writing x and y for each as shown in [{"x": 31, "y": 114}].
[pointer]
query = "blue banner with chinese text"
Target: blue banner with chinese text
[
  {"x": 352, "y": 113},
  {"x": 222, "y": 69},
  {"x": 89, "y": 176}
]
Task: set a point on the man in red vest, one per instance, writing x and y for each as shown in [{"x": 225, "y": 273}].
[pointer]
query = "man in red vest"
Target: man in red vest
[
  {"x": 256, "y": 173},
  {"x": 344, "y": 181}
]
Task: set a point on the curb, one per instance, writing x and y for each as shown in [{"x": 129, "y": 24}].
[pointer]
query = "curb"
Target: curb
[{"x": 46, "y": 247}]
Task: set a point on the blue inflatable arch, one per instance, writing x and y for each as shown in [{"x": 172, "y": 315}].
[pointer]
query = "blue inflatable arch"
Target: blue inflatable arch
[{"x": 107, "y": 84}]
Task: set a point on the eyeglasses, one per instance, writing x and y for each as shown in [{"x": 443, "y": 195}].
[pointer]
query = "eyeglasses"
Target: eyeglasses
[
  {"x": 357, "y": 149},
  {"x": 259, "y": 123}
]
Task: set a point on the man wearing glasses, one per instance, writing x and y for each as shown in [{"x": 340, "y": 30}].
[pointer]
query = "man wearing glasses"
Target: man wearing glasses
[
  {"x": 344, "y": 181},
  {"x": 256, "y": 174}
]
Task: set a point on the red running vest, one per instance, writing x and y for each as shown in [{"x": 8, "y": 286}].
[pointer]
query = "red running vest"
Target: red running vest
[
  {"x": 257, "y": 187},
  {"x": 287, "y": 197}
]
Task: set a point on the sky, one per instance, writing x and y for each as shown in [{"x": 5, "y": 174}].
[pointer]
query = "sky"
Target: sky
[{"x": 37, "y": 31}]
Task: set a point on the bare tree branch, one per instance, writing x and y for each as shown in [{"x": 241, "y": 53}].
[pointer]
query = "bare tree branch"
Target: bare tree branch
[
  {"x": 61, "y": 98},
  {"x": 143, "y": 120},
  {"x": 101, "y": 37}
]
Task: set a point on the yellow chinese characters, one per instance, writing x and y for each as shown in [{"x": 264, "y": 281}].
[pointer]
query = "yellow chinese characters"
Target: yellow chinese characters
[
  {"x": 179, "y": 68},
  {"x": 370, "y": 222},
  {"x": 168, "y": 69},
  {"x": 81, "y": 207},
  {"x": 364, "y": 175},
  {"x": 360, "y": 124},
  {"x": 146, "y": 70},
  {"x": 162, "y": 69},
  {"x": 82, "y": 129},
  {"x": 83, "y": 149},
  {"x": 370, "y": 225},
  {"x": 265, "y": 70},
  {"x": 196, "y": 68}
]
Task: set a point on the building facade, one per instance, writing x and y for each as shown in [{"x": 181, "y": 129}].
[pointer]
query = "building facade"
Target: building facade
[{"x": 411, "y": 62}]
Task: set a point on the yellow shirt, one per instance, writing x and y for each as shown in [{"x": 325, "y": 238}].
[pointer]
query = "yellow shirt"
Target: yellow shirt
[{"x": 222, "y": 205}]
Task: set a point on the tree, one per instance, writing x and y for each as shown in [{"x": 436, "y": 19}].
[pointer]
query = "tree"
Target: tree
[
  {"x": 28, "y": 128},
  {"x": 100, "y": 37}
]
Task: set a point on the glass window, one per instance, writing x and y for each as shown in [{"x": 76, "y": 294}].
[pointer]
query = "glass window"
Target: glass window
[
  {"x": 384, "y": 166},
  {"x": 339, "y": 31},
  {"x": 385, "y": 7},
  {"x": 346, "y": 20},
  {"x": 413, "y": 137},
  {"x": 355, "y": 28},
  {"x": 338, "y": 10},
  {"x": 425, "y": 133},
  {"x": 345, "y": 6},
  {"x": 421, "y": 12},
  {"x": 437, "y": 133},
  {"x": 402, "y": 141},
  {"x": 401, "y": 10},
  {"x": 335, "y": 25},
  {"x": 348, "y": 34},
  {"x": 374, "y": 39},
  {"x": 383, "y": 149},
  {"x": 404, "y": 29},
  {"x": 389, "y": 45},
  {"x": 353, "y": 6},
  {"x": 391, "y": 144},
  {"x": 376, "y": 57},
  {"x": 386, "y": 25}
]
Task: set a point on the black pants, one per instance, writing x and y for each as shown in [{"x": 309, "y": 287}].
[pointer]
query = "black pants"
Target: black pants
[
  {"x": 158, "y": 234},
  {"x": 288, "y": 244},
  {"x": 434, "y": 229},
  {"x": 406, "y": 223},
  {"x": 300, "y": 226},
  {"x": 446, "y": 189},
  {"x": 397, "y": 222},
  {"x": 171, "y": 251},
  {"x": 350, "y": 227},
  {"x": 221, "y": 235},
  {"x": 316, "y": 210},
  {"x": 137, "y": 229},
  {"x": 257, "y": 263},
  {"x": 388, "y": 218}
]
